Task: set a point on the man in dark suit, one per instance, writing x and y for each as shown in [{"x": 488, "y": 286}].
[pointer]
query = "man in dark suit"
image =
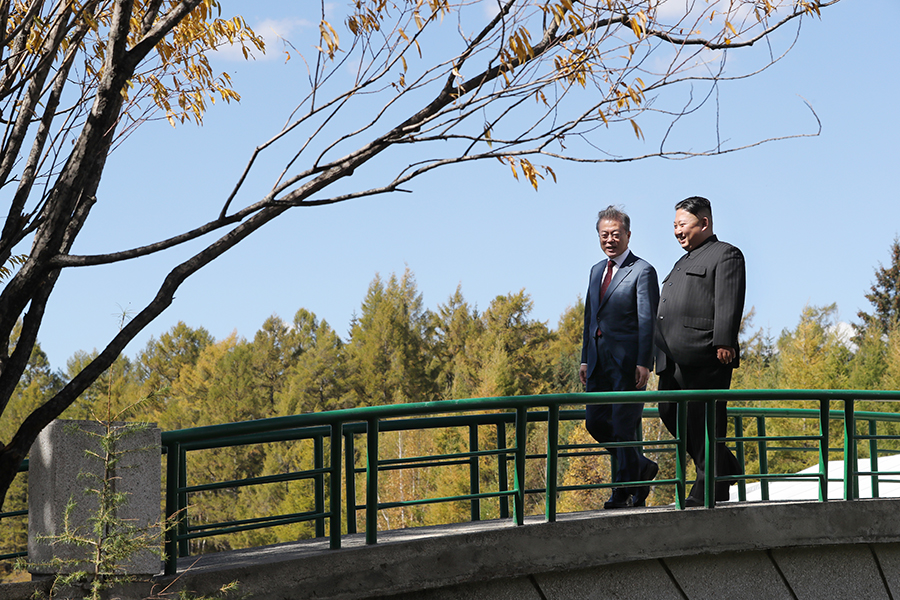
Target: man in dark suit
[
  {"x": 698, "y": 322},
  {"x": 617, "y": 350}
]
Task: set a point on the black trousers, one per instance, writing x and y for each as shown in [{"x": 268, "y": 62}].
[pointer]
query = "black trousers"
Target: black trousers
[{"x": 700, "y": 378}]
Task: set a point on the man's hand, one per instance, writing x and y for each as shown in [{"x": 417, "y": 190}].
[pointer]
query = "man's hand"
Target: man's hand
[
  {"x": 641, "y": 377},
  {"x": 725, "y": 354},
  {"x": 582, "y": 374}
]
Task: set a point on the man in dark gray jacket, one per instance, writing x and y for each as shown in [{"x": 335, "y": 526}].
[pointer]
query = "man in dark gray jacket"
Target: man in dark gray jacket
[{"x": 697, "y": 326}]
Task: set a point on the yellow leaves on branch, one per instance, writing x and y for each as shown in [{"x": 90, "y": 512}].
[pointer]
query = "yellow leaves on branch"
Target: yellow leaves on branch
[
  {"x": 637, "y": 129},
  {"x": 184, "y": 73},
  {"x": 178, "y": 79},
  {"x": 529, "y": 171},
  {"x": 329, "y": 38},
  {"x": 16, "y": 260},
  {"x": 562, "y": 13},
  {"x": 632, "y": 94},
  {"x": 519, "y": 51},
  {"x": 811, "y": 7},
  {"x": 574, "y": 68},
  {"x": 638, "y": 24}
]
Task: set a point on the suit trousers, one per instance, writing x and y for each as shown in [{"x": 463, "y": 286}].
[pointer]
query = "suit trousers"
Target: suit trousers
[
  {"x": 700, "y": 378},
  {"x": 615, "y": 422}
]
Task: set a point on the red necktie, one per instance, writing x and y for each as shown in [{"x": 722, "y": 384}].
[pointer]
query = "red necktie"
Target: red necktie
[{"x": 607, "y": 278}]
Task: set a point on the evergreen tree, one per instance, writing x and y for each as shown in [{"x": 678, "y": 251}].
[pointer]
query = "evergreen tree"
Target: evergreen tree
[
  {"x": 868, "y": 365},
  {"x": 511, "y": 349},
  {"x": 891, "y": 377},
  {"x": 813, "y": 356},
  {"x": 387, "y": 354},
  {"x": 161, "y": 363},
  {"x": 884, "y": 295},
  {"x": 111, "y": 393},
  {"x": 455, "y": 326},
  {"x": 564, "y": 351},
  {"x": 759, "y": 359},
  {"x": 274, "y": 350},
  {"x": 318, "y": 381}
]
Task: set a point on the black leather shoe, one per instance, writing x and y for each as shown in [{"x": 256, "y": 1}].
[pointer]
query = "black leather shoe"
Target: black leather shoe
[
  {"x": 648, "y": 473},
  {"x": 693, "y": 502},
  {"x": 619, "y": 499}
]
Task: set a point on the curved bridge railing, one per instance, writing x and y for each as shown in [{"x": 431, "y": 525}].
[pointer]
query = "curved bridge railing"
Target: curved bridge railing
[
  {"x": 518, "y": 439},
  {"x": 524, "y": 433}
]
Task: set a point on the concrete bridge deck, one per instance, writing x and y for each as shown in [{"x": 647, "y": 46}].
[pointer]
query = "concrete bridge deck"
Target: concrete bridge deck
[{"x": 760, "y": 550}]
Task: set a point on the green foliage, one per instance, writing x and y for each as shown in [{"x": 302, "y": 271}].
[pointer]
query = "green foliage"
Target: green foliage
[
  {"x": 813, "y": 356},
  {"x": 387, "y": 355},
  {"x": 884, "y": 295}
]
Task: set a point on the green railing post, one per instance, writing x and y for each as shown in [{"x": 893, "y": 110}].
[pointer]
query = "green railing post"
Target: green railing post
[
  {"x": 681, "y": 454},
  {"x": 319, "y": 483},
  {"x": 739, "y": 448},
  {"x": 474, "y": 475},
  {"x": 552, "y": 462},
  {"x": 372, "y": 481},
  {"x": 184, "y": 545},
  {"x": 335, "y": 487},
  {"x": 350, "y": 469},
  {"x": 709, "y": 468},
  {"x": 172, "y": 509},
  {"x": 763, "y": 447},
  {"x": 502, "y": 471},
  {"x": 873, "y": 456},
  {"x": 521, "y": 453},
  {"x": 849, "y": 451},
  {"x": 824, "y": 442}
]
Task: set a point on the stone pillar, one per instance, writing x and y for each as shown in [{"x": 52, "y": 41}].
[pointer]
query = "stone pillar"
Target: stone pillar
[{"x": 57, "y": 458}]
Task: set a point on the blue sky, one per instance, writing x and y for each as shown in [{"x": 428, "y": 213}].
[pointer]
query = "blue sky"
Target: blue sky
[{"x": 814, "y": 216}]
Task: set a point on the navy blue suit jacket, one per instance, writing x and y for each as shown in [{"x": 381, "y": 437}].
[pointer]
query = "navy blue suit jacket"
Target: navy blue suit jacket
[{"x": 626, "y": 316}]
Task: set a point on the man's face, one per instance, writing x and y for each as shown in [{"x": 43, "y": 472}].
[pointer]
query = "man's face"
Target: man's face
[
  {"x": 690, "y": 231},
  {"x": 613, "y": 237}
]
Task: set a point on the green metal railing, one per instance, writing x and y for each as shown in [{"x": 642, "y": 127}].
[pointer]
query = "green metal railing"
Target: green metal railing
[
  {"x": 347, "y": 461},
  {"x": 335, "y": 472},
  {"x": 15, "y": 514}
]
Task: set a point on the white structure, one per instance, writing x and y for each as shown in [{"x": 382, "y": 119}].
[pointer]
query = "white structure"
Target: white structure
[{"x": 888, "y": 485}]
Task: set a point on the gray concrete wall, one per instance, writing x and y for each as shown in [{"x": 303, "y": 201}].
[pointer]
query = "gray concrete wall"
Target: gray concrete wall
[
  {"x": 57, "y": 462},
  {"x": 818, "y": 551}
]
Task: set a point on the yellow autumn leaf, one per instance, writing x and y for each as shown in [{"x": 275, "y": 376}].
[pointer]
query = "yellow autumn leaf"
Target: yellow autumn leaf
[{"x": 637, "y": 130}]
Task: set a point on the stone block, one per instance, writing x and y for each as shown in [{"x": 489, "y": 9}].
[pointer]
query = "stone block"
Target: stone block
[{"x": 58, "y": 463}]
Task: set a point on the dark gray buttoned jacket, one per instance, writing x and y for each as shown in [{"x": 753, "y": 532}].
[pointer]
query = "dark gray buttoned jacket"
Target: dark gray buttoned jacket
[{"x": 700, "y": 307}]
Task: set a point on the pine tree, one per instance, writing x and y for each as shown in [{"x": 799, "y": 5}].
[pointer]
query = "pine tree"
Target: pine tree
[
  {"x": 387, "y": 354},
  {"x": 161, "y": 362},
  {"x": 884, "y": 295},
  {"x": 318, "y": 379},
  {"x": 454, "y": 327}
]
